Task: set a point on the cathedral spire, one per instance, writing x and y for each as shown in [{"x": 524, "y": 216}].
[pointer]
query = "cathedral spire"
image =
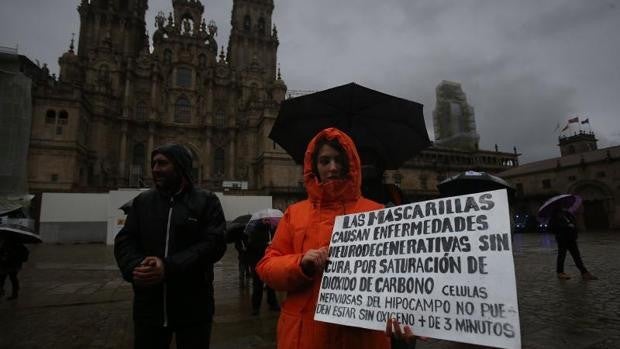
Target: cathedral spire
[
  {"x": 222, "y": 54},
  {"x": 71, "y": 46}
]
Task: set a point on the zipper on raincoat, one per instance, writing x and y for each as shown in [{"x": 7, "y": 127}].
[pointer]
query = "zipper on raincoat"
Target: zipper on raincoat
[{"x": 166, "y": 256}]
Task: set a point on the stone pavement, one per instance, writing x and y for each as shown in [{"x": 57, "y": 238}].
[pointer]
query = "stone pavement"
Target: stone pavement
[{"x": 73, "y": 297}]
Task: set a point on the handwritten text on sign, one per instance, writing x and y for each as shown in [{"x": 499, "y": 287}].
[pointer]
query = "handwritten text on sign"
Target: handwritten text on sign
[{"x": 443, "y": 266}]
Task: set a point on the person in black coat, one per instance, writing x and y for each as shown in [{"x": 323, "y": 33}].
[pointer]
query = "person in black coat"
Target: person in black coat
[
  {"x": 259, "y": 237},
  {"x": 564, "y": 227},
  {"x": 173, "y": 235},
  {"x": 12, "y": 255}
]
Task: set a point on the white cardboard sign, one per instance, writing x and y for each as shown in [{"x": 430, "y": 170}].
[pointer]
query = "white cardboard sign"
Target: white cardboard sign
[{"x": 444, "y": 267}]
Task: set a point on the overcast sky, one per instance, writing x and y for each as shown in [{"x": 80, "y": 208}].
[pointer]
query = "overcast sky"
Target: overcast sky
[{"x": 525, "y": 65}]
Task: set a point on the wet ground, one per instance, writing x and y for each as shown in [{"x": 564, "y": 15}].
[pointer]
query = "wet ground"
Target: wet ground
[{"x": 73, "y": 297}]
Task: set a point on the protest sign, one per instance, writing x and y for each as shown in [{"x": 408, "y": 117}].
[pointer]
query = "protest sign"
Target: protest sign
[{"x": 444, "y": 267}]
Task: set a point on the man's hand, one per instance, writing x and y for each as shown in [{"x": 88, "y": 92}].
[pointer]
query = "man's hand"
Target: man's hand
[
  {"x": 149, "y": 272},
  {"x": 314, "y": 260}
]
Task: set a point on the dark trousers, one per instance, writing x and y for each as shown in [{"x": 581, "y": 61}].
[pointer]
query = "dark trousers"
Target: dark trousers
[
  {"x": 159, "y": 337},
  {"x": 569, "y": 245},
  {"x": 244, "y": 269},
  {"x": 14, "y": 282},
  {"x": 257, "y": 292}
]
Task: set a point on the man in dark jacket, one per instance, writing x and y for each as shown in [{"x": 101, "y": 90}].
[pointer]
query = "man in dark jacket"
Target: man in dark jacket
[
  {"x": 173, "y": 235},
  {"x": 259, "y": 236}
]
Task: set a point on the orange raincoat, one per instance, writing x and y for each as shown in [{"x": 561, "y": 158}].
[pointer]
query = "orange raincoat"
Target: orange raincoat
[{"x": 308, "y": 225}]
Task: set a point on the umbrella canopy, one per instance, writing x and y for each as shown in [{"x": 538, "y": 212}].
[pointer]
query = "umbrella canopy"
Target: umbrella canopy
[
  {"x": 472, "y": 182},
  {"x": 19, "y": 229},
  {"x": 270, "y": 216},
  {"x": 10, "y": 203},
  {"x": 243, "y": 219},
  {"x": 126, "y": 207},
  {"x": 383, "y": 127},
  {"x": 266, "y": 213},
  {"x": 235, "y": 229},
  {"x": 571, "y": 202}
]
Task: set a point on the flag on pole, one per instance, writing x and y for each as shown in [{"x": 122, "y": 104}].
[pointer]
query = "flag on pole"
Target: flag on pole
[
  {"x": 586, "y": 121},
  {"x": 557, "y": 127},
  {"x": 573, "y": 120}
]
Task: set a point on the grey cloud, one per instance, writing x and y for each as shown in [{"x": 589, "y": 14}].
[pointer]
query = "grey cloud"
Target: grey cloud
[{"x": 524, "y": 65}]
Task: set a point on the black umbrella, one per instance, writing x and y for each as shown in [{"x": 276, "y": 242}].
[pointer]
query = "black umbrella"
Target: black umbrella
[
  {"x": 470, "y": 182},
  {"x": 389, "y": 128},
  {"x": 19, "y": 229},
  {"x": 235, "y": 229},
  {"x": 126, "y": 207}
]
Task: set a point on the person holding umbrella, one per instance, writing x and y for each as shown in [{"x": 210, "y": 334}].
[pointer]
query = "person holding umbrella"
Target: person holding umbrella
[
  {"x": 259, "y": 235},
  {"x": 12, "y": 255},
  {"x": 295, "y": 259},
  {"x": 564, "y": 227}
]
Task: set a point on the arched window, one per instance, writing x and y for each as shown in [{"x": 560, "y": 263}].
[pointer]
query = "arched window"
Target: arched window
[
  {"x": 261, "y": 26},
  {"x": 138, "y": 154},
  {"x": 187, "y": 24},
  {"x": 104, "y": 72},
  {"x": 202, "y": 60},
  {"x": 220, "y": 119},
  {"x": 218, "y": 162},
  {"x": 50, "y": 117},
  {"x": 136, "y": 171},
  {"x": 167, "y": 56},
  {"x": 184, "y": 77},
  {"x": 182, "y": 110},
  {"x": 195, "y": 166},
  {"x": 140, "y": 111},
  {"x": 63, "y": 118},
  {"x": 571, "y": 149},
  {"x": 247, "y": 23}
]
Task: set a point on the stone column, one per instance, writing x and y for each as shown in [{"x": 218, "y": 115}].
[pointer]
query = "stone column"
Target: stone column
[
  {"x": 128, "y": 87},
  {"x": 207, "y": 158},
  {"x": 154, "y": 92},
  {"x": 230, "y": 159},
  {"x": 150, "y": 145},
  {"x": 123, "y": 152}
]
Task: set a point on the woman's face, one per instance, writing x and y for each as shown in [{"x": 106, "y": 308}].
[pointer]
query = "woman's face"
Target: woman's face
[{"x": 329, "y": 164}]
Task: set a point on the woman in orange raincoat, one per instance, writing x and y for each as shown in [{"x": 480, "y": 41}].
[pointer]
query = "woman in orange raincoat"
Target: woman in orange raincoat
[{"x": 295, "y": 260}]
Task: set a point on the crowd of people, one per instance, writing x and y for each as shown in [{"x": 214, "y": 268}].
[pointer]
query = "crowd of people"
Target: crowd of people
[{"x": 175, "y": 232}]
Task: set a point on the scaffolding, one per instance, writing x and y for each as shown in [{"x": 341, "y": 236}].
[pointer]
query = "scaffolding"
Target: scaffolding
[{"x": 15, "y": 123}]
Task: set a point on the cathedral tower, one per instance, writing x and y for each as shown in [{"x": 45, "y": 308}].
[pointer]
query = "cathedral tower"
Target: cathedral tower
[
  {"x": 118, "y": 24},
  {"x": 453, "y": 118},
  {"x": 252, "y": 37}
]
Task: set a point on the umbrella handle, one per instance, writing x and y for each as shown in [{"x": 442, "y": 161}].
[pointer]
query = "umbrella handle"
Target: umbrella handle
[{"x": 269, "y": 235}]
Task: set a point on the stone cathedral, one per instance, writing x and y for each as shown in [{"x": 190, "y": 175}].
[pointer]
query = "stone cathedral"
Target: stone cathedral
[{"x": 116, "y": 99}]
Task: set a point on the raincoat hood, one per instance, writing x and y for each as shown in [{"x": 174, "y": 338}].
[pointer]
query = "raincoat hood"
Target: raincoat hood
[
  {"x": 342, "y": 190},
  {"x": 180, "y": 156}
]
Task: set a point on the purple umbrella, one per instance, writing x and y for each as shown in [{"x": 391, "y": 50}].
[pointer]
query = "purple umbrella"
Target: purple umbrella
[{"x": 571, "y": 202}]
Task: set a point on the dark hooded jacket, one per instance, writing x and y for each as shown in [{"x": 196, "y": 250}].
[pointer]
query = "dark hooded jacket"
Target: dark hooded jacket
[{"x": 187, "y": 231}]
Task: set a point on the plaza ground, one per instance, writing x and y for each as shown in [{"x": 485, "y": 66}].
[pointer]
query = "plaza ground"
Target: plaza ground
[{"x": 73, "y": 297}]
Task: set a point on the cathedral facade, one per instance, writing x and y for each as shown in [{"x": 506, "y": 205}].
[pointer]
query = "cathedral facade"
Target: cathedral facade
[{"x": 116, "y": 99}]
